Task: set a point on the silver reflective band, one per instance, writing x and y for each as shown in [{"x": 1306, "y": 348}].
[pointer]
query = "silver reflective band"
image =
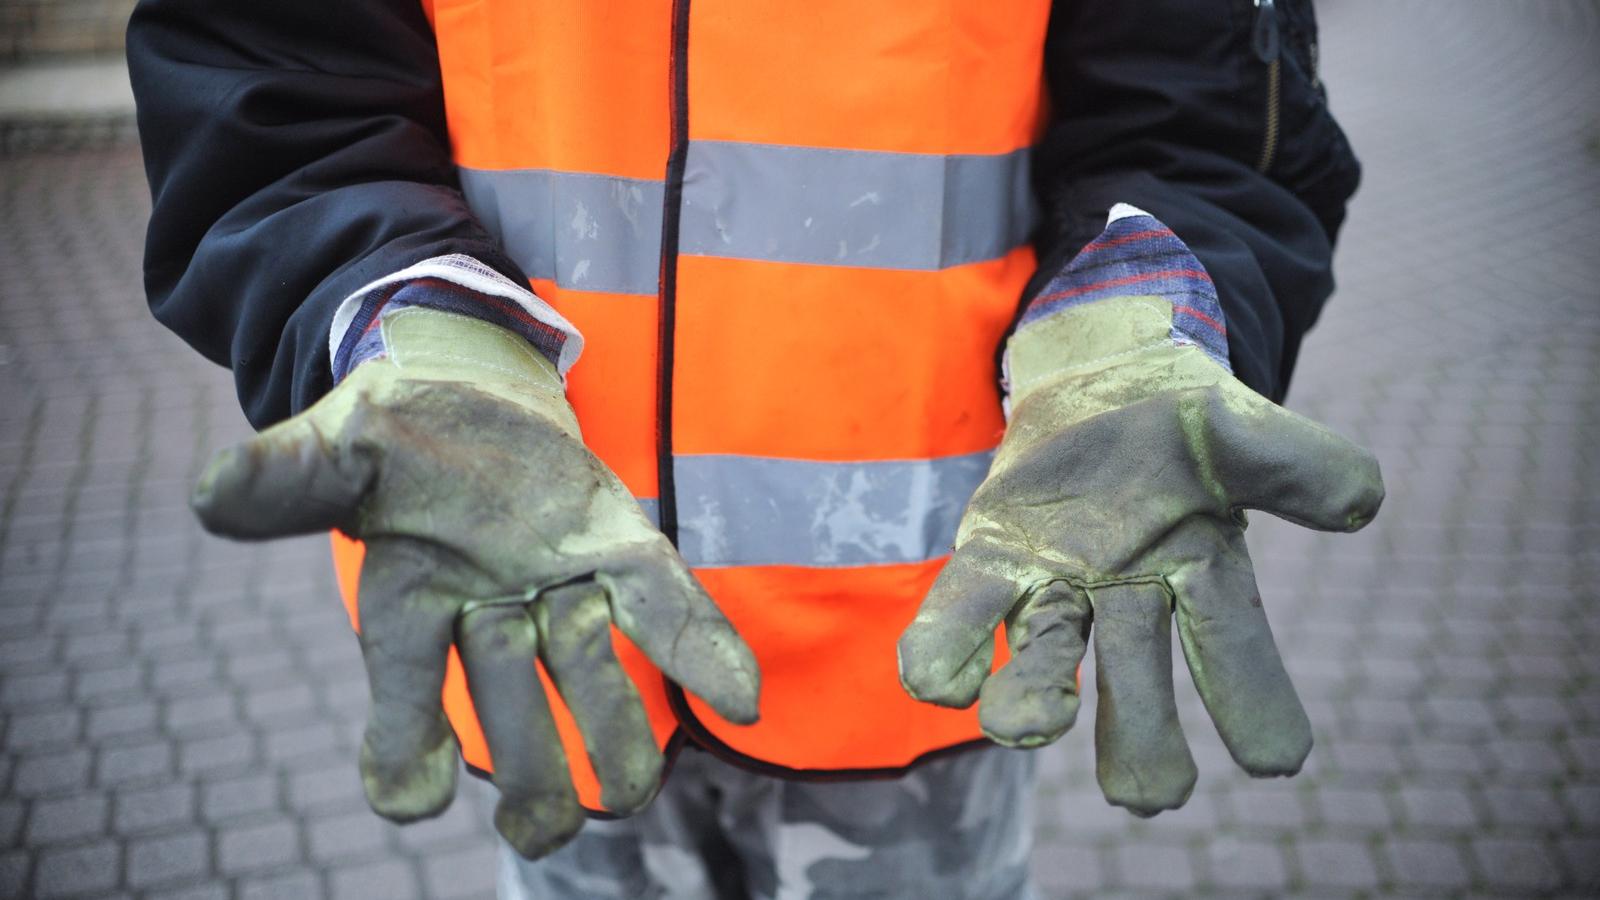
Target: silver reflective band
[
  {"x": 762, "y": 202},
  {"x": 853, "y": 207},
  {"x": 753, "y": 511},
  {"x": 584, "y": 232},
  {"x": 651, "y": 507}
]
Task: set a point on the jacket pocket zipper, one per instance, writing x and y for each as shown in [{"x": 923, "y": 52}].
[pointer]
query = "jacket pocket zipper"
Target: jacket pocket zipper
[{"x": 1264, "y": 40}]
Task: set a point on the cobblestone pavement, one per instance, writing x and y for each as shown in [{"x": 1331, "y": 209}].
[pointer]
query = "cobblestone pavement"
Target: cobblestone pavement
[{"x": 180, "y": 714}]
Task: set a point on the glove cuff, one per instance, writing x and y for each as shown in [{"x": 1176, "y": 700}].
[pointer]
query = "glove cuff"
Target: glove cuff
[
  {"x": 458, "y": 284},
  {"x": 435, "y": 345},
  {"x": 1136, "y": 286}
]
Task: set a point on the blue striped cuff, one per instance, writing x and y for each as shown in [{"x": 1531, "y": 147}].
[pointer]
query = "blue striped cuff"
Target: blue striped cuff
[
  {"x": 1138, "y": 256},
  {"x": 363, "y": 340}
]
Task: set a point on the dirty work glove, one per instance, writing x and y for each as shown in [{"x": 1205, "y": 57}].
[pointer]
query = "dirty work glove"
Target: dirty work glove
[
  {"x": 458, "y": 461},
  {"x": 1115, "y": 501}
]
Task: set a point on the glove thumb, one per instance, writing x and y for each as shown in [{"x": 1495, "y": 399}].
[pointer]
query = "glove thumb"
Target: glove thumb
[{"x": 291, "y": 479}]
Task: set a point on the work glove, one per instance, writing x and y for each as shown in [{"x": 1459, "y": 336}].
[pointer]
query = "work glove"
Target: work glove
[
  {"x": 1115, "y": 501},
  {"x": 457, "y": 459}
]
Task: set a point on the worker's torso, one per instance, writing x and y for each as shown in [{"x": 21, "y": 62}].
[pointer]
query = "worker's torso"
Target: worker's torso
[{"x": 792, "y": 235}]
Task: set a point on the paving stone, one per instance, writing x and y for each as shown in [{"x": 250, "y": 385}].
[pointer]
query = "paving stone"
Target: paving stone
[
  {"x": 79, "y": 647},
  {"x": 153, "y": 639},
  {"x": 1057, "y": 868},
  {"x": 332, "y": 787},
  {"x": 152, "y": 808},
  {"x": 1583, "y": 801},
  {"x": 471, "y": 873},
  {"x": 259, "y": 846},
  {"x": 1244, "y": 865},
  {"x": 1438, "y": 807},
  {"x": 1278, "y": 805},
  {"x": 1528, "y": 807},
  {"x": 193, "y": 892},
  {"x": 1336, "y": 863},
  {"x": 1448, "y": 756},
  {"x": 12, "y": 814},
  {"x": 299, "y": 885},
  {"x": 1368, "y": 757},
  {"x": 356, "y": 835},
  {"x": 1536, "y": 759},
  {"x": 1155, "y": 867},
  {"x": 162, "y": 860},
  {"x": 284, "y": 744},
  {"x": 133, "y": 763},
  {"x": 228, "y": 752},
  {"x": 22, "y": 655},
  {"x": 221, "y": 800},
  {"x": 1356, "y": 808},
  {"x": 389, "y": 879},
  {"x": 77, "y": 870},
  {"x": 118, "y": 680},
  {"x": 199, "y": 716},
  {"x": 121, "y": 721},
  {"x": 23, "y": 691},
  {"x": 1417, "y": 863},
  {"x": 51, "y": 773},
  {"x": 465, "y": 821},
  {"x": 250, "y": 667},
  {"x": 1582, "y": 856},
  {"x": 1517, "y": 864},
  {"x": 52, "y": 821},
  {"x": 168, "y": 674},
  {"x": 38, "y": 730},
  {"x": 14, "y": 868},
  {"x": 277, "y": 703}
]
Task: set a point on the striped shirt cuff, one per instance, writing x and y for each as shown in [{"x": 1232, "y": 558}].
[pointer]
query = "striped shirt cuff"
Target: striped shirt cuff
[
  {"x": 457, "y": 284},
  {"x": 1138, "y": 256}
]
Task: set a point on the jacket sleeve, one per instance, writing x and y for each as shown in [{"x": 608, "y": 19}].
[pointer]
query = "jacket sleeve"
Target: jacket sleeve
[
  {"x": 1209, "y": 115},
  {"x": 296, "y": 152}
]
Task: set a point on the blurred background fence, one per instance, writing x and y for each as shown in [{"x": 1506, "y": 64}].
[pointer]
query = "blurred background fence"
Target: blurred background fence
[{"x": 180, "y": 714}]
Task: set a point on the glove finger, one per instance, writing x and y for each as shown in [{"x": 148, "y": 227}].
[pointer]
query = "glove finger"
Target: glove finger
[
  {"x": 290, "y": 479},
  {"x": 948, "y": 649},
  {"x": 660, "y": 606},
  {"x": 1033, "y": 699},
  {"x": 575, "y": 641},
  {"x": 1271, "y": 459},
  {"x": 1141, "y": 758},
  {"x": 408, "y": 754},
  {"x": 538, "y": 809},
  {"x": 1235, "y": 662}
]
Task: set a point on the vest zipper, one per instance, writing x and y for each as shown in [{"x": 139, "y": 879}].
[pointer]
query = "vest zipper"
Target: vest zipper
[
  {"x": 690, "y": 728},
  {"x": 670, "y": 217},
  {"x": 1265, "y": 41}
]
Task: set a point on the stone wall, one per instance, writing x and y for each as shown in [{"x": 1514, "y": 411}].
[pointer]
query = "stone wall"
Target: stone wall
[{"x": 41, "y": 29}]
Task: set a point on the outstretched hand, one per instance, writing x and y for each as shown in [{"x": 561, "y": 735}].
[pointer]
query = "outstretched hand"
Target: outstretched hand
[
  {"x": 1115, "y": 502},
  {"x": 489, "y": 525}
]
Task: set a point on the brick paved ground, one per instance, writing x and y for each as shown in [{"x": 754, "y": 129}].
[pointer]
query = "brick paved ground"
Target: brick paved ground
[{"x": 180, "y": 714}]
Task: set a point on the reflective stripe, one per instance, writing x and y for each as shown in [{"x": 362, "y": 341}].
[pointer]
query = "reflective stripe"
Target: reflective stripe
[
  {"x": 651, "y": 507},
  {"x": 853, "y": 207},
  {"x": 758, "y": 201},
  {"x": 747, "y": 511},
  {"x": 585, "y": 232}
]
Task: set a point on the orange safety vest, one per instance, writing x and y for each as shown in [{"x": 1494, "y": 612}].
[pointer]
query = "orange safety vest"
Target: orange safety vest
[{"x": 793, "y": 235}]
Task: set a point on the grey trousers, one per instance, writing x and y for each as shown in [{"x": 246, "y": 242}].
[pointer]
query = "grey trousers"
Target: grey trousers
[{"x": 954, "y": 828}]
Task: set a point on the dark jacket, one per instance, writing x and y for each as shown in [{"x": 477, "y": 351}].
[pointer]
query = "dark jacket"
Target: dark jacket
[{"x": 297, "y": 151}]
